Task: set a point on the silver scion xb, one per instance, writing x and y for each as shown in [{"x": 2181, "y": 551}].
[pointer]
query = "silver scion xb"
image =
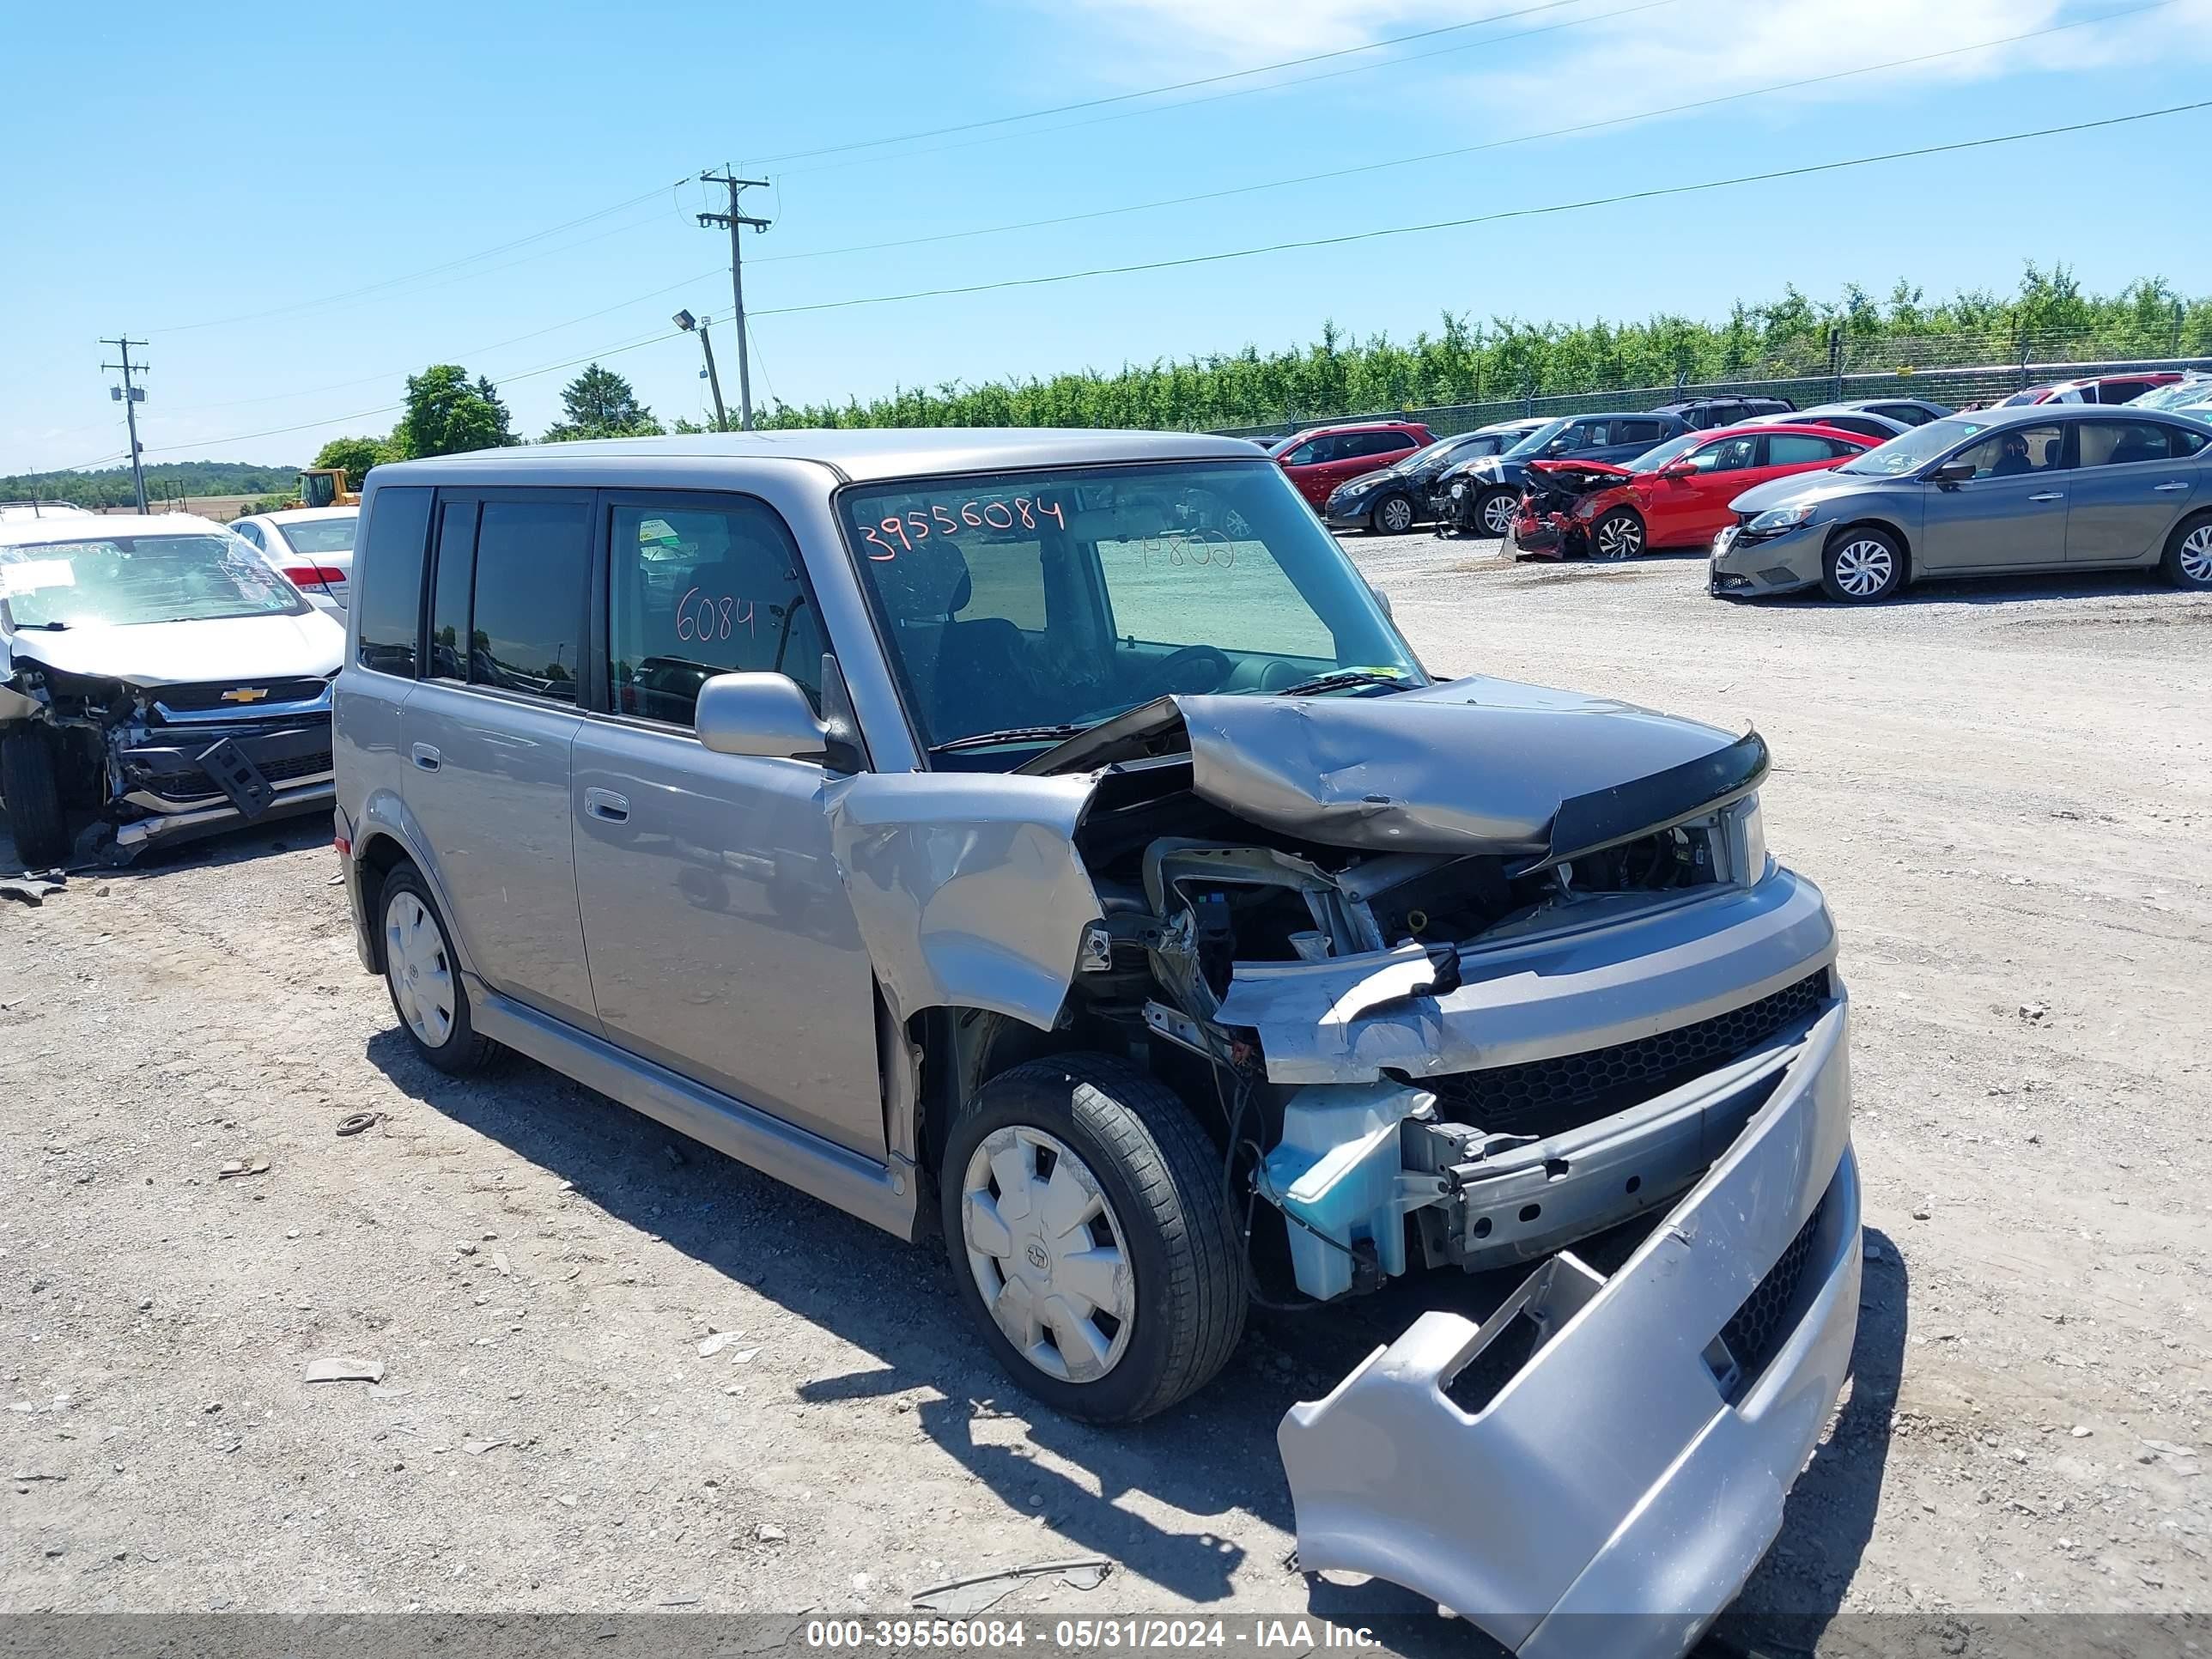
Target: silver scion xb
[
  {"x": 1995, "y": 492},
  {"x": 1045, "y": 838}
]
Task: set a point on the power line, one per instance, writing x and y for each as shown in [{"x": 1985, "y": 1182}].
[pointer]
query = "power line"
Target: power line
[
  {"x": 430, "y": 270},
  {"x": 389, "y": 409},
  {"x": 1487, "y": 218},
  {"x": 1177, "y": 86},
  {"x": 1250, "y": 92},
  {"x": 1465, "y": 149}
]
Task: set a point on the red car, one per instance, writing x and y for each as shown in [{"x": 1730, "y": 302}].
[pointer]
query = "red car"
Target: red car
[
  {"x": 1322, "y": 457},
  {"x": 2096, "y": 389},
  {"x": 1676, "y": 496}
]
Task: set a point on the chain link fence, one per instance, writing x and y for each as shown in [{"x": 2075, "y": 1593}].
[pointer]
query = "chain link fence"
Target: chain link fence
[{"x": 1955, "y": 369}]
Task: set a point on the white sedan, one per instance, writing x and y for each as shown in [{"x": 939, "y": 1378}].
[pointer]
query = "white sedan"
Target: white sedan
[{"x": 312, "y": 546}]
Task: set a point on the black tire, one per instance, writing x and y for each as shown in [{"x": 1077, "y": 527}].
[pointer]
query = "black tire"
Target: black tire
[
  {"x": 1393, "y": 515},
  {"x": 1862, "y": 565},
  {"x": 33, "y": 794},
  {"x": 1493, "y": 513},
  {"x": 459, "y": 1050},
  {"x": 2188, "y": 559},
  {"x": 1162, "y": 1177},
  {"x": 1618, "y": 535}
]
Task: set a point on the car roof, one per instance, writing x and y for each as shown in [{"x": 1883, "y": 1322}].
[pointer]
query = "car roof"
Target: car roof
[
  {"x": 2034, "y": 414},
  {"x": 1393, "y": 425},
  {"x": 98, "y": 526},
  {"x": 860, "y": 455},
  {"x": 1801, "y": 425}
]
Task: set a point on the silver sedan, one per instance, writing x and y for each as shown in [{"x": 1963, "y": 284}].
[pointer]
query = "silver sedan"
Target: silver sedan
[{"x": 1997, "y": 491}]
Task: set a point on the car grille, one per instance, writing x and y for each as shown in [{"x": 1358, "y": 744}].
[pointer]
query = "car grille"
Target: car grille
[
  {"x": 304, "y": 766},
  {"x": 208, "y": 695},
  {"x": 1755, "y": 1331},
  {"x": 1548, "y": 1097}
]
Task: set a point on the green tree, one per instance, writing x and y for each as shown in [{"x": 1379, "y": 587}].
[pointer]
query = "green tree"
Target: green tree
[
  {"x": 446, "y": 415},
  {"x": 601, "y": 404},
  {"x": 356, "y": 455}
]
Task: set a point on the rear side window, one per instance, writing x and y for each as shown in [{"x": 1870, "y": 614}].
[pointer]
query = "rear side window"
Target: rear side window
[
  {"x": 1639, "y": 432},
  {"x": 699, "y": 590},
  {"x": 388, "y": 584},
  {"x": 252, "y": 532},
  {"x": 2119, "y": 443},
  {"x": 532, "y": 581},
  {"x": 1790, "y": 449}
]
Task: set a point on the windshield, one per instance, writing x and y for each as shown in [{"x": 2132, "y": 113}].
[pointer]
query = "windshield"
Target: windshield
[
  {"x": 1909, "y": 452},
  {"x": 1282, "y": 445},
  {"x": 311, "y": 536},
  {"x": 2184, "y": 394},
  {"x": 1652, "y": 459},
  {"x": 139, "y": 579},
  {"x": 1061, "y": 598},
  {"x": 1536, "y": 440}
]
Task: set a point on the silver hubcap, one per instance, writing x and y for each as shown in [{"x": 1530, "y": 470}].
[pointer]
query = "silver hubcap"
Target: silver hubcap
[
  {"x": 2197, "y": 554},
  {"x": 1617, "y": 538},
  {"x": 1863, "y": 569},
  {"x": 1048, "y": 1253},
  {"x": 1397, "y": 513},
  {"x": 1497, "y": 514},
  {"x": 415, "y": 961}
]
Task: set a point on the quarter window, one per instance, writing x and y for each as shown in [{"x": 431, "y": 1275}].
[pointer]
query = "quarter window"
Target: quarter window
[
  {"x": 532, "y": 571},
  {"x": 452, "y": 581},
  {"x": 389, "y": 597},
  {"x": 702, "y": 589}
]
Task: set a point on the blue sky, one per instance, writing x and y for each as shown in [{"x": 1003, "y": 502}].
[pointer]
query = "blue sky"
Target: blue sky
[{"x": 226, "y": 184}]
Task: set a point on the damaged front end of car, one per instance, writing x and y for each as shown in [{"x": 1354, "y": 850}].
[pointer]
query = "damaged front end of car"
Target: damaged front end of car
[
  {"x": 1561, "y": 499},
  {"x": 1477, "y": 973},
  {"x": 157, "y": 760}
]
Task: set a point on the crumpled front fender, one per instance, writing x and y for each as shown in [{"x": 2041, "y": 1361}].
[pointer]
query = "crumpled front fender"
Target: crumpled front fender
[{"x": 967, "y": 886}]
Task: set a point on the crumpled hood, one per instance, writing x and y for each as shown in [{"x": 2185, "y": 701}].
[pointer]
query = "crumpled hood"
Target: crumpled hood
[
  {"x": 149, "y": 655},
  {"x": 1580, "y": 474},
  {"x": 1475, "y": 765}
]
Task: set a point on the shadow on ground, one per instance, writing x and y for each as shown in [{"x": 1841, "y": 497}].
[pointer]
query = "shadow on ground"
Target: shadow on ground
[{"x": 1213, "y": 1459}]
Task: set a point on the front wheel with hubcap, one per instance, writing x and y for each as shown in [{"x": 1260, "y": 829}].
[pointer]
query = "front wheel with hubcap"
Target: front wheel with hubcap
[
  {"x": 2188, "y": 561},
  {"x": 1495, "y": 511},
  {"x": 420, "y": 972},
  {"x": 1394, "y": 514},
  {"x": 1090, "y": 1236},
  {"x": 1618, "y": 535},
  {"x": 1861, "y": 565}
]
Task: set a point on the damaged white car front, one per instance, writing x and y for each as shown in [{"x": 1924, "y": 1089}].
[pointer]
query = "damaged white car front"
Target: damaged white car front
[{"x": 157, "y": 679}]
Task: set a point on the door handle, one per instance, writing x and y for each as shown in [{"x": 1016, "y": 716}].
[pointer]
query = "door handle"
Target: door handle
[
  {"x": 426, "y": 757},
  {"x": 606, "y": 806},
  {"x": 2166, "y": 488},
  {"x": 2049, "y": 495}
]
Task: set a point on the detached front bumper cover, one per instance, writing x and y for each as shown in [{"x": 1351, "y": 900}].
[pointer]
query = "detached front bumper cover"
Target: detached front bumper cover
[{"x": 1595, "y": 1468}]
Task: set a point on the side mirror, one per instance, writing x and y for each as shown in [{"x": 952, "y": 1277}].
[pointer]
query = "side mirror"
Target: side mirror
[
  {"x": 764, "y": 715},
  {"x": 1676, "y": 470},
  {"x": 1953, "y": 472}
]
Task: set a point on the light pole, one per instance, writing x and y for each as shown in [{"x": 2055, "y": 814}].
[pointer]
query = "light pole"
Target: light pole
[{"x": 689, "y": 324}]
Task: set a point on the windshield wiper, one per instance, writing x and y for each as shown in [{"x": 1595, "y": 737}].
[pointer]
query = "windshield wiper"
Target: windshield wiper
[
  {"x": 1342, "y": 677},
  {"x": 51, "y": 627},
  {"x": 1013, "y": 734}
]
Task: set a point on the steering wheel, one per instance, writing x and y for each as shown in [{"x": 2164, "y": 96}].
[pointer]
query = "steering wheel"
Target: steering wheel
[{"x": 1170, "y": 669}]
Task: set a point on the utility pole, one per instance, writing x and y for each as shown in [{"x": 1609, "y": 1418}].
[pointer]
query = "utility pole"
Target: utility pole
[
  {"x": 732, "y": 220},
  {"x": 687, "y": 322},
  {"x": 131, "y": 397}
]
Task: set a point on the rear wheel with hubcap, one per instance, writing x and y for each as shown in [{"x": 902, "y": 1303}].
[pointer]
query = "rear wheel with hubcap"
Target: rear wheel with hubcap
[
  {"x": 1618, "y": 534},
  {"x": 425, "y": 981},
  {"x": 2188, "y": 561},
  {"x": 1394, "y": 514},
  {"x": 1862, "y": 565},
  {"x": 1091, "y": 1239}
]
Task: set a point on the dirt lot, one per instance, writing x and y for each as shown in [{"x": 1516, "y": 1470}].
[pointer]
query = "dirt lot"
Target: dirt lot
[{"x": 2006, "y": 791}]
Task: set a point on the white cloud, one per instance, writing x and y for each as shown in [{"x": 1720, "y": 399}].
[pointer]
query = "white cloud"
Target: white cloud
[{"x": 1667, "y": 54}]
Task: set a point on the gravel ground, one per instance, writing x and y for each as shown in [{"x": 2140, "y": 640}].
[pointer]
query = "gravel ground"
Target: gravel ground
[{"x": 2005, "y": 790}]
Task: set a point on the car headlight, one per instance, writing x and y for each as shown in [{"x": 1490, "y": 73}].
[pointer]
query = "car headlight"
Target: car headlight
[
  {"x": 1746, "y": 842},
  {"x": 1780, "y": 518},
  {"x": 1459, "y": 486}
]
